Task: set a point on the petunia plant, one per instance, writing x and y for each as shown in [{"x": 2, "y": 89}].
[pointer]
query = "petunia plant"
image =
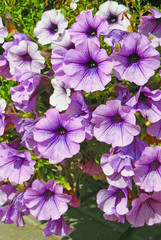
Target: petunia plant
[{"x": 81, "y": 94}]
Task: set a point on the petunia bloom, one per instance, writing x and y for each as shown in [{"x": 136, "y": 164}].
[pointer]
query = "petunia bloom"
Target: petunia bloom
[
  {"x": 51, "y": 25},
  {"x": 151, "y": 24},
  {"x": 148, "y": 170},
  {"x": 118, "y": 169},
  {"x": 145, "y": 209},
  {"x": 25, "y": 57},
  {"x": 61, "y": 96},
  {"x": 9, "y": 212},
  {"x": 113, "y": 202},
  {"x": 57, "y": 227},
  {"x": 114, "y": 125},
  {"x": 88, "y": 27},
  {"x": 46, "y": 200},
  {"x": 15, "y": 165},
  {"x": 79, "y": 109},
  {"x": 148, "y": 103},
  {"x": 136, "y": 60},
  {"x": 3, "y": 31},
  {"x": 113, "y": 13},
  {"x": 87, "y": 67},
  {"x": 58, "y": 136},
  {"x": 155, "y": 130}
]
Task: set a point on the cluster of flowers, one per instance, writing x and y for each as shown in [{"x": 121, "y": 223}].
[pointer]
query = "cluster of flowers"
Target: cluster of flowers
[{"x": 132, "y": 168}]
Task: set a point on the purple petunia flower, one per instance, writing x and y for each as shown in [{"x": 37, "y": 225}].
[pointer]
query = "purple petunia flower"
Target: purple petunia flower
[
  {"x": 155, "y": 130},
  {"x": 25, "y": 128},
  {"x": 79, "y": 109},
  {"x": 51, "y": 25},
  {"x": 148, "y": 169},
  {"x": 136, "y": 60},
  {"x": 114, "y": 125},
  {"x": 57, "y": 227},
  {"x": 9, "y": 212},
  {"x": 113, "y": 13},
  {"x": 88, "y": 27},
  {"x": 15, "y": 165},
  {"x": 113, "y": 202},
  {"x": 145, "y": 209},
  {"x": 3, "y": 31},
  {"x": 25, "y": 57},
  {"x": 148, "y": 103},
  {"x": 118, "y": 169},
  {"x": 114, "y": 36},
  {"x": 151, "y": 25},
  {"x": 4, "y": 63},
  {"x": 4, "y": 68},
  {"x": 87, "y": 67},
  {"x": 59, "y": 49},
  {"x": 25, "y": 94},
  {"x": 123, "y": 93},
  {"x": 58, "y": 136},
  {"x": 46, "y": 201}
]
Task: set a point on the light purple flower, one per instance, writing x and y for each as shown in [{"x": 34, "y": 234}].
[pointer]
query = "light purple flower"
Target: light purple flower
[
  {"x": 46, "y": 201},
  {"x": 134, "y": 149},
  {"x": 63, "y": 42},
  {"x": 58, "y": 136},
  {"x": 113, "y": 202},
  {"x": 114, "y": 36},
  {"x": 87, "y": 67},
  {"x": 79, "y": 109},
  {"x": 118, "y": 169},
  {"x": 59, "y": 48},
  {"x": 2, "y": 124},
  {"x": 148, "y": 103},
  {"x": 114, "y": 125},
  {"x": 8, "y": 212},
  {"x": 113, "y": 13},
  {"x": 25, "y": 57},
  {"x": 88, "y": 27},
  {"x": 25, "y": 94},
  {"x": 61, "y": 96},
  {"x": 155, "y": 130},
  {"x": 4, "y": 68},
  {"x": 57, "y": 227},
  {"x": 4, "y": 64},
  {"x": 145, "y": 209},
  {"x": 15, "y": 165},
  {"x": 151, "y": 25},
  {"x": 136, "y": 60},
  {"x": 3, "y": 31},
  {"x": 123, "y": 93},
  {"x": 148, "y": 170},
  {"x": 25, "y": 128},
  {"x": 51, "y": 25}
]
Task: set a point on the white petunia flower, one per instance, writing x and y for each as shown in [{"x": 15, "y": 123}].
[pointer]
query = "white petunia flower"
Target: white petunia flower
[
  {"x": 73, "y": 4},
  {"x": 60, "y": 98},
  {"x": 2, "y": 105}
]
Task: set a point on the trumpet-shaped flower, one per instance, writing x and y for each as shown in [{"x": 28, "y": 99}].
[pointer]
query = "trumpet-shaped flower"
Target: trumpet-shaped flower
[
  {"x": 58, "y": 136},
  {"x": 136, "y": 60},
  {"x": 115, "y": 125},
  {"x": 115, "y": 14},
  {"x": 51, "y": 25},
  {"x": 46, "y": 200},
  {"x": 87, "y": 67}
]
